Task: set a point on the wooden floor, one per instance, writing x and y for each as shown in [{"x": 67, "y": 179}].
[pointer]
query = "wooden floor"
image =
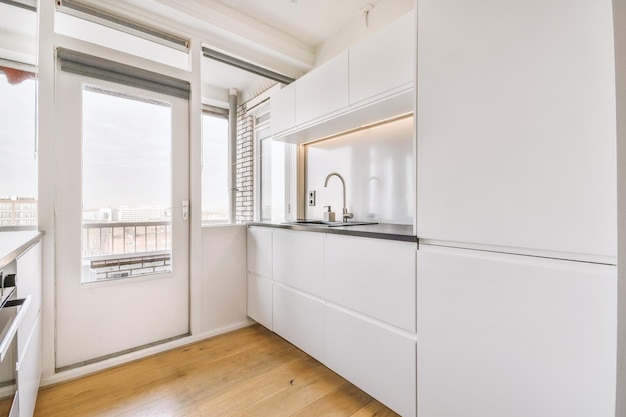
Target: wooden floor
[{"x": 249, "y": 372}]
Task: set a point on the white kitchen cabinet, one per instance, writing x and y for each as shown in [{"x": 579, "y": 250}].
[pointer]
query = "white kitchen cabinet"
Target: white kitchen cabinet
[
  {"x": 260, "y": 282},
  {"x": 299, "y": 260},
  {"x": 259, "y": 251},
  {"x": 259, "y": 302},
  {"x": 299, "y": 318},
  {"x": 323, "y": 92},
  {"x": 29, "y": 365},
  {"x": 29, "y": 283},
  {"x": 372, "y": 276},
  {"x": 383, "y": 63},
  {"x": 29, "y": 369},
  {"x": 379, "y": 360},
  {"x": 516, "y": 139},
  {"x": 517, "y": 336},
  {"x": 283, "y": 109}
]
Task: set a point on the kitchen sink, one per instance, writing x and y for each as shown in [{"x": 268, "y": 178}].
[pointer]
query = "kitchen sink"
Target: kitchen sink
[{"x": 323, "y": 223}]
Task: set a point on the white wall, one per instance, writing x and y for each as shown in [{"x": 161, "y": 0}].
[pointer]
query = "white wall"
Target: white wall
[
  {"x": 377, "y": 166},
  {"x": 223, "y": 278},
  {"x": 619, "y": 22},
  {"x": 384, "y": 13}
]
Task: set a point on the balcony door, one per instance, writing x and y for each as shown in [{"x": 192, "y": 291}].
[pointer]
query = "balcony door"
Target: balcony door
[{"x": 121, "y": 233}]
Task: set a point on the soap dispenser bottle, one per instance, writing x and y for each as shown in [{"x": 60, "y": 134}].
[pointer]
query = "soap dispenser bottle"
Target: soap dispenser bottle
[{"x": 329, "y": 216}]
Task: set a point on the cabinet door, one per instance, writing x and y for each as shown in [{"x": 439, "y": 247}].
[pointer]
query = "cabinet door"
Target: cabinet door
[
  {"x": 383, "y": 63},
  {"x": 323, "y": 91},
  {"x": 299, "y": 260},
  {"x": 516, "y": 139},
  {"x": 29, "y": 283},
  {"x": 376, "y": 359},
  {"x": 299, "y": 318},
  {"x": 374, "y": 277},
  {"x": 283, "y": 109},
  {"x": 29, "y": 371},
  {"x": 259, "y": 252},
  {"x": 259, "y": 303},
  {"x": 509, "y": 335}
]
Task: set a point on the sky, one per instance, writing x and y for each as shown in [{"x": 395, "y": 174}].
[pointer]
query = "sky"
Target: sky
[
  {"x": 18, "y": 166},
  {"x": 126, "y": 150}
]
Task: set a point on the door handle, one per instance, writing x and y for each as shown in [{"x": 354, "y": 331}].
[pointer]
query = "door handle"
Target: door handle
[{"x": 185, "y": 207}]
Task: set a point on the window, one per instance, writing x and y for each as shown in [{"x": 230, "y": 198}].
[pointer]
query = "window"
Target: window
[
  {"x": 215, "y": 166},
  {"x": 273, "y": 173},
  {"x": 18, "y": 157},
  {"x": 126, "y": 185}
]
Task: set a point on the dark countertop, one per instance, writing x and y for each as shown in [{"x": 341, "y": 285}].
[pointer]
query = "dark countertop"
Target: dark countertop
[{"x": 400, "y": 232}]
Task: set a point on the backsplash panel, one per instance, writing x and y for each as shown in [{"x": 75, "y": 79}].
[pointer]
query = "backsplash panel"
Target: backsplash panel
[{"x": 377, "y": 166}]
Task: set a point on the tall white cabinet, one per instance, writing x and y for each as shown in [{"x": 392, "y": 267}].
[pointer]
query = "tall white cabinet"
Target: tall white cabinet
[{"x": 516, "y": 215}]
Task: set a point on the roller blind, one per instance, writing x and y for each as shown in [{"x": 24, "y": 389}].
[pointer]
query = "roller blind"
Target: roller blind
[
  {"x": 24, "y": 4},
  {"x": 104, "y": 69},
  {"x": 238, "y": 63}
]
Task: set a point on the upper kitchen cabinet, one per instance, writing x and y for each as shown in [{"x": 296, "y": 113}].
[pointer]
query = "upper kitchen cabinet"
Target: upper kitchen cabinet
[
  {"x": 516, "y": 126},
  {"x": 371, "y": 82},
  {"x": 323, "y": 91},
  {"x": 383, "y": 64}
]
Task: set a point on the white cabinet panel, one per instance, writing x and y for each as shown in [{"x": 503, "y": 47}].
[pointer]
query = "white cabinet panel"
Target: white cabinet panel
[
  {"x": 283, "y": 109},
  {"x": 376, "y": 359},
  {"x": 260, "y": 251},
  {"x": 372, "y": 276},
  {"x": 300, "y": 320},
  {"x": 260, "y": 299},
  {"x": 29, "y": 371},
  {"x": 517, "y": 336},
  {"x": 383, "y": 63},
  {"x": 323, "y": 91},
  {"x": 299, "y": 260},
  {"x": 29, "y": 283},
  {"x": 516, "y": 138}
]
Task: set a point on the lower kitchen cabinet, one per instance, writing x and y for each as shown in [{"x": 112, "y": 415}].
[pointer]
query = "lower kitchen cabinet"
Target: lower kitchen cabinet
[
  {"x": 259, "y": 303},
  {"x": 374, "y": 277},
  {"x": 29, "y": 369},
  {"x": 29, "y": 348},
  {"x": 516, "y": 336},
  {"x": 299, "y": 318},
  {"x": 378, "y": 359},
  {"x": 298, "y": 260}
]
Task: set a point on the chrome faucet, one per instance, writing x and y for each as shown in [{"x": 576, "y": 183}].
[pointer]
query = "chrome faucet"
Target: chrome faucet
[{"x": 346, "y": 215}]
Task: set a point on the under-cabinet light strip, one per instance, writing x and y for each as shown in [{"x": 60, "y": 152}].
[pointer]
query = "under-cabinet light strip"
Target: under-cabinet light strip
[{"x": 361, "y": 128}]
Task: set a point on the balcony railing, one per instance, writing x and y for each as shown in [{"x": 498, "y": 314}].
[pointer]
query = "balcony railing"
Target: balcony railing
[
  {"x": 118, "y": 238},
  {"x": 114, "y": 250}
]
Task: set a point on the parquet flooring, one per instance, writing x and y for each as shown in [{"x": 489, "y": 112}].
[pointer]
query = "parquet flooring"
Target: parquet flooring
[{"x": 248, "y": 372}]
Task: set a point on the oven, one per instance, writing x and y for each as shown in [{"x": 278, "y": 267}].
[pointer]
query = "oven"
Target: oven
[{"x": 12, "y": 310}]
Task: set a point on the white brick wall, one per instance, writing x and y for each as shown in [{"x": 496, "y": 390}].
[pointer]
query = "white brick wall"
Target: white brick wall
[{"x": 244, "y": 203}]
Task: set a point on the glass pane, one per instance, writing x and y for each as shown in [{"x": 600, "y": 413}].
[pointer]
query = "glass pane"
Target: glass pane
[
  {"x": 18, "y": 184},
  {"x": 214, "y": 170},
  {"x": 126, "y": 186},
  {"x": 272, "y": 179}
]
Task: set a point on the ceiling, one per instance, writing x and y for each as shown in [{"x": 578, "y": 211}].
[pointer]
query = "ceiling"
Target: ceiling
[
  {"x": 281, "y": 35},
  {"x": 309, "y": 21}
]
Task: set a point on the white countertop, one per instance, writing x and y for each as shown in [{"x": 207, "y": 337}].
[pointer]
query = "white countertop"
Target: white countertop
[{"x": 13, "y": 244}]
